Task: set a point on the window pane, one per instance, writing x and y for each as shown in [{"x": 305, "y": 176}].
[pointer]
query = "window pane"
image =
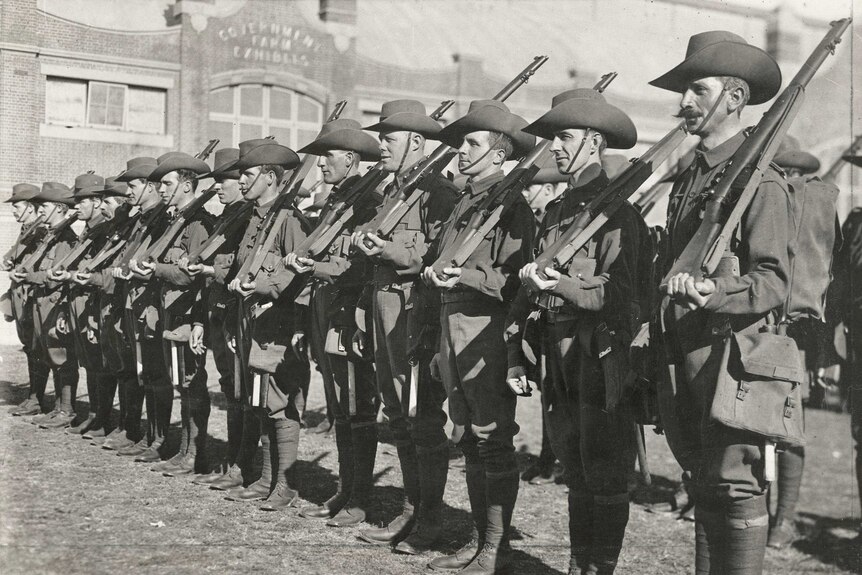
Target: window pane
[
  {"x": 251, "y": 101},
  {"x": 282, "y": 135},
  {"x": 115, "y": 117},
  {"x": 98, "y": 93},
  {"x": 249, "y": 132},
  {"x": 304, "y": 137},
  {"x": 221, "y": 101},
  {"x": 116, "y": 95},
  {"x": 146, "y": 111},
  {"x": 65, "y": 101},
  {"x": 279, "y": 103},
  {"x": 98, "y": 114},
  {"x": 309, "y": 110},
  {"x": 223, "y": 131}
]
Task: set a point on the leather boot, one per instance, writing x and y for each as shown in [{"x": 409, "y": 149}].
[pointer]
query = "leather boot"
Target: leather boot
[
  {"x": 181, "y": 453},
  {"x": 501, "y": 492},
  {"x": 261, "y": 488},
  {"x": 82, "y": 427},
  {"x": 38, "y": 371},
  {"x": 401, "y": 526},
  {"x": 285, "y": 439},
  {"x": 135, "y": 449},
  {"x": 610, "y": 517},
  {"x": 195, "y": 454},
  {"x": 478, "y": 510},
  {"x": 234, "y": 431},
  {"x": 433, "y": 471},
  {"x": 282, "y": 497},
  {"x": 211, "y": 477},
  {"x": 249, "y": 441},
  {"x": 121, "y": 441},
  {"x": 231, "y": 479},
  {"x": 40, "y": 419},
  {"x": 331, "y": 507},
  {"x": 580, "y": 528},
  {"x": 364, "y": 447},
  {"x": 63, "y": 416},
  {"x": 151, "y": 454},
  {"x": 30, "y": 406},
  {"x": 61, "y": 419},
  {"x": 790, "y": 466}
]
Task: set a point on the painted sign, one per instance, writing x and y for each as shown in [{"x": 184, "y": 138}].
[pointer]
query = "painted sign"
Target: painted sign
[{"x": 271, "y": 42}]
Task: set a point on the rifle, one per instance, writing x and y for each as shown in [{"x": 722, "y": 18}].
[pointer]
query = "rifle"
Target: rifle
[
  {"x": 489, "y": 212},
  {"x": 725, "y": 206},
  {"x": 832, "y": 173},
  {"x": 225, "y": 228},
  {"x": 142, "y": 242},
  {"x": 608, "y": 201},
  {"x": 157, "y": 249},
  {"x": 53, "y": 232},
  {"x": 408, "y": 194},
  {"x": 120, "y": 219},
  {"x": 31, "y": 231},
  {"x": 278, "y": 213}
]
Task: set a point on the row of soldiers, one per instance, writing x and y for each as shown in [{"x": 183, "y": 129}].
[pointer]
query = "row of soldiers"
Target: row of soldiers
[{"x": 392, "y": 321}]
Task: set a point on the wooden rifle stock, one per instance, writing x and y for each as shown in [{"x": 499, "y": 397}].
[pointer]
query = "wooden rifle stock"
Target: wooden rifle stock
[
  {"x": 120, "y": 219},
  {"x": 608, "y": 201},
  {"x": 31, "y": 231},
  {"x": 832, "y": 173},
  {"x": 34, "y": 258},
  {"x": 724, "y": 208},
  {"x": 223, "y": 229},
  {"x": 409, "y": 193}
]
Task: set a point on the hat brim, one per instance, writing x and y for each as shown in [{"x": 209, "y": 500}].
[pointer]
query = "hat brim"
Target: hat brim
[
  {"x": 282, "y": 156},
  {"x": 174, "y": 163},
  {"x": 855, "y": 160},
  {"x": 136, "y": 173},
  {"x": 348, "y": 140},
  {"x": 736, "y": 59},
  {"x": 490, "y": 118},
  {"x": 799, "y": 160},
  {"x": 407, "y": 122},
  {"x": 617, "y": 128},
  {"x": 222, "y": 172}
]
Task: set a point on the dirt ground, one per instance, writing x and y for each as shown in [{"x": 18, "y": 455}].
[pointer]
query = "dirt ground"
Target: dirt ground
[{"x": 69, "y": 507}]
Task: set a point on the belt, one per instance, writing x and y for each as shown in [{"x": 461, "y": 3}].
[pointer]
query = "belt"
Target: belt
[
  {"x": 463, "y": 296},
  {"x": 395, "y": 286},
  {"x": 559, "y": 316}
]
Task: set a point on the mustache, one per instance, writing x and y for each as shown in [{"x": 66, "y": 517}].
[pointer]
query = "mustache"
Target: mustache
[{"x": 687, "y": 113}]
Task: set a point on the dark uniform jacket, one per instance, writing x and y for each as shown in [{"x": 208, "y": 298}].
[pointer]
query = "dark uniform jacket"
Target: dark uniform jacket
[
  {"x": 19, "y": 293},
  {"x": 142, "y": 297},
  {"x": 218, "y": 296}
]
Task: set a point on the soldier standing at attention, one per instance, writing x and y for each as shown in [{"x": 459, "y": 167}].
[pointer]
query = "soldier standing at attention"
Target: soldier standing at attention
[
  {"x": 723, "y": 467},
  {"x": 180, "y": 295},
  {"x": 472, "y": 358},
  {"x": 420, "y": 441},
  {"x": 274, "y": 357},
  {"x": 239, "y": 453},
  {"x": 337, "y": 284},
  {"x": 24, "y": 210},
  {"x": 56, "y": 349}
]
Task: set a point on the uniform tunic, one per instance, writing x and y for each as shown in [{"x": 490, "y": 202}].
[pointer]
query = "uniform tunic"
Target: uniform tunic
[
  {"x": 20, "y": 294},
  {"x": 721, "y": 464}
]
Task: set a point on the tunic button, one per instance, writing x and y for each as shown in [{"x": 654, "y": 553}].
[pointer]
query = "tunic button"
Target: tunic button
[{"x": 716, "y": 331}]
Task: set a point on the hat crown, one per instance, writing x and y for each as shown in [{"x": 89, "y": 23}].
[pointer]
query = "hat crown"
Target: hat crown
[
  {"x": 225, "y": 156},
  {"x": 141, "y": 161},
  {"x": 339, "y": 124},
  {"x": 479, "y": 104},
  {"x": 249, "y": 145},
  {"x": 21, "y": 189},
  {"x": 402, "y": 107},
  {"x": 88, "y": 180},
  {"x": 55, "y": 187},
  {"x": 577, "y": 94},
  {"x": 700, "y": 41}
]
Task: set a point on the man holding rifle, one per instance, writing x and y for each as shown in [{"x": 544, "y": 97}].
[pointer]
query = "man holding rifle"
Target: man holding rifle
[
  {"x": 271, "y": 350},
  {"x": 24, "y": 208},
  {"x": 55, "y": 348},
  {"x": 723, "y": 466},
  {"x": 422, "y": 446},
  {"x": 180, "y": 305},
  {"x": 337, "y": 284},
  {"x": 472, "y": 358},
  {"x": 589, "y": 312}
]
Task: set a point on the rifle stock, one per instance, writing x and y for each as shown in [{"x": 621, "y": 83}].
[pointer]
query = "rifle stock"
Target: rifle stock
[
  {"x": 34, "y": 258},
  {"x": 31, "y": 231},
  {"x": 120, "y": 219},
  {"x": 723, "y": 211},
  {"x": 158, "y": 249},
  {"x": 220, "y": 234}
]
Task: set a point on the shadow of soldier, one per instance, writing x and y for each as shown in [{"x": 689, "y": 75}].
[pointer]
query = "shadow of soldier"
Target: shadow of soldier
[{"x": 831, "y": 540}]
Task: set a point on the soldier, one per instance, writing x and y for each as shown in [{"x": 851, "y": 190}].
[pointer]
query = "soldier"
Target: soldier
[
  {"x": 273, "y": 352},
  {"x": 24, "y": 209},
  {"x": 337, "y": 284},
  {"x": 723, "y": 467},
  {"x": 420, "y": 440},
  {"x": 55, "y": 348},
  {"x": 83, "y": 305},
  {"x": 546, "y": 186},
  {"x": 472, "y": 357},
  {"x": 179, "y": 299},
  {"x": 141, "y": 325},
  {"x": 594, "y": 302},
  {"x": 242, "y": 427}
]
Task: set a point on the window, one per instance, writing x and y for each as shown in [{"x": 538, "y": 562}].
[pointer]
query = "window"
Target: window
[
  {"x": 238, "y": 113},
  {"x": 104, "y": 105}
]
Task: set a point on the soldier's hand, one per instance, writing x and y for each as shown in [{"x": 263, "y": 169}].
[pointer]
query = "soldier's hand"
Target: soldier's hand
[
  {"x": 146, "y": 268},
  {"x": 684, "y": 290},
  {"x": 196, "y": 340},
  {"x": 82, "y": 278},
  {"x": 6, "y": 265},
  {"x": 62, "y": 326},
  {"x": 298, "y": 344},
  {"x": 233, "y": 285},
  {"x": 245, "y": 289},
  {"x": 231, "y": 344},
  {"x": 516, "y": 377},
  {"x": 60, "y": 275},
  {"x": 434, "y": 367},
  {"x": 358, "y": 343},
  {"x": 370, "y": 244},
  {"x": 533, "y": 281},
  {"x": 183, "y": 263},
  {"x": 303, "y": 265},
  {"x": 449, "y": 279},
  {"x": 19, "y": 276},
  {"x": 200, "y": 269}
]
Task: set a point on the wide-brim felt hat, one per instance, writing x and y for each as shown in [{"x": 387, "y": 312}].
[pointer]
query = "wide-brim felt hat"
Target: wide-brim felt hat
[
  {"x": 344, "y": 134},
  {"x": 406, "y": 116},
  {"x": 86, "y": 185},
  {"x": 178, "y": 161},
  {"x": 721, "y": 53},
  {"x": 22, "y": 193},
  {"x": 489, "y": 115},
  {"x": 137, "y": 168},
  {"x": 57, "y": 193},
  {"x": 585, "y": 108},
  {"x": 222, "y": 160},
  {"x": 267, "y": 153},
  {"x": 114, "y": 188},
  {"x": 856, "y": 160},
  {"x": 790, "y": 156}
]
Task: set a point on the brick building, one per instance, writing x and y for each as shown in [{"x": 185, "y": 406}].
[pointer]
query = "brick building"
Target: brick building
[{"x": 87, "y": 84}]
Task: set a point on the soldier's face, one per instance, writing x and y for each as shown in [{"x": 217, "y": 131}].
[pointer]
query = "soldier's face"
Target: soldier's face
[
  {"x": 51, "y": 212},
  {"x": 335, "y": 165},
  {"x": 393, "y": 147},
  {"x": 475, "y": 155},
  {"x": 228, "y": 191},
  {"x": 109, "y": 206},
  {"x": 571, "y": 149},
  {"x": 252, "y": 183},
  {"x": 171, "y": 189},
  {"x": 137, "y": 191},
  {"x": 87, "y": 208},
  {"x": 698, "y": 100},
  {"x": 23, "y": 211}
]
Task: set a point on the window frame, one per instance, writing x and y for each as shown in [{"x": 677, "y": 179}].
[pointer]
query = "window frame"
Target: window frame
[{"x": 108, "y": 85}]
